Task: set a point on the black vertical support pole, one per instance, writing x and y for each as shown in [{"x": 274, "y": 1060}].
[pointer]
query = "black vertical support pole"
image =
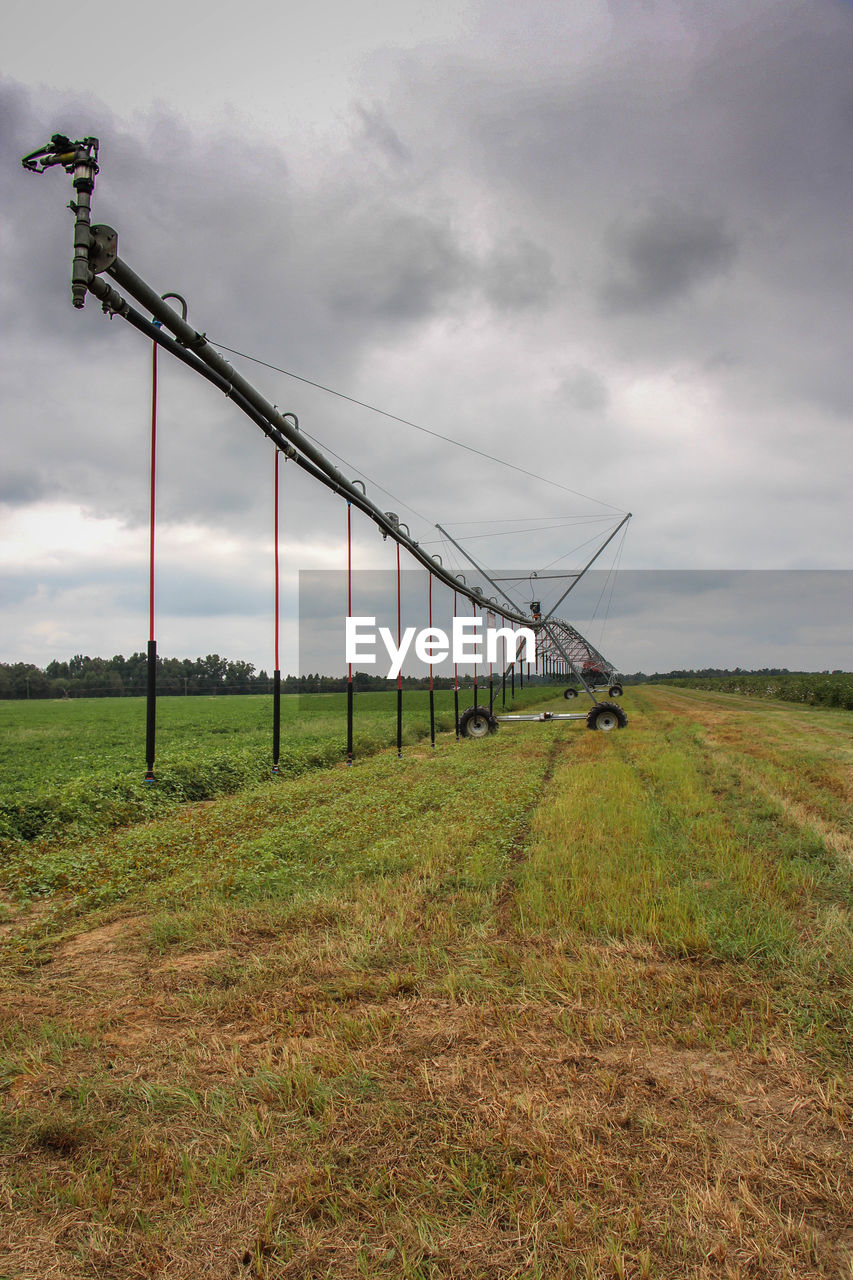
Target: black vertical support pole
[
  {"x": 491, "y": 677},
  {"x": 349, "y": 615},
  {"x": 151, "y": 691},
  {"x": 431, "y": 681},
  {"x": 400, "y": 672},
  {"x": 455, "y": 683},
  {"x": 514, "y": 654},
  {"x": 151, "y": 712},
  {"x": 276, "y": 675},
  {"x": 276, "y": 719}
]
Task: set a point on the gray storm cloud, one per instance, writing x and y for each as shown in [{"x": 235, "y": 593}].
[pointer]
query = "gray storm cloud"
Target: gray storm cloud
[{"x": 611, "y": 248}]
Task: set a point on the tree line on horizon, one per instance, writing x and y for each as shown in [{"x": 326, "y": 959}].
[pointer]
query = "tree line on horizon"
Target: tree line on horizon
[
  {"x": 117, "y": 677},
  {"x": 120, "y": 677}
]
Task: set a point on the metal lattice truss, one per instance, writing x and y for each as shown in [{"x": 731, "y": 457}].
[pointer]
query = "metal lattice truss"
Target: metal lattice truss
[{"x": 562, "y": 650}]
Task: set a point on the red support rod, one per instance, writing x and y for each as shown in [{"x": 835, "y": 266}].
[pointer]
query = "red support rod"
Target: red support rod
[
  {"x": 474, "y": 611},
  {"x": 153, "y": 494},
  {"x": 455, "y": 682},
  {"x": 349, "y": 570},
  {"x": 276, "y": 686},
  {"x": 275, "y": 537},
  {"x": 431, "y": 681},
  {"x": 430, "y": 626},
  {"x": 400, "y": 672},
  {"x": 151, "y": 666},
  {"x": 349, "y": 615}
]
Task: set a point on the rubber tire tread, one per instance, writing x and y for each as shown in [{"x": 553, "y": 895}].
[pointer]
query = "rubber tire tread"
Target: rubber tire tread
[
  {"x": 619, "y": 712},
  {"x": 476, "y": 712}
]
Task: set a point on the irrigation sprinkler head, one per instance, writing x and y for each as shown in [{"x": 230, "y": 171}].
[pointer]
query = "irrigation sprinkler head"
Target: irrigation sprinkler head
[
  {"x": 81, "y": 160},
  {"x": 61, "y": 150}
]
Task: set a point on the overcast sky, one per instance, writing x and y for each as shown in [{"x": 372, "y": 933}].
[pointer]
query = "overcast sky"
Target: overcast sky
[{"x": 608, "y": 242}]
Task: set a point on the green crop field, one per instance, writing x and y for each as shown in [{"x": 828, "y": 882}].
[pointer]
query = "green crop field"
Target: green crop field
[
  {"x": 555, "y": 1003},
  {"x": 77, "y": 766},
  {"x": 815, "y": 689}
]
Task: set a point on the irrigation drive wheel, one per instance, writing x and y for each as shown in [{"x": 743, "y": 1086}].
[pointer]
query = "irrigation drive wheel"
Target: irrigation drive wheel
[
  {"x": 477, "y": 722},
  {"x": 615, "y": 690},
  {"x": 606, "y": 716},
  {"x": 570, "y": 693}
]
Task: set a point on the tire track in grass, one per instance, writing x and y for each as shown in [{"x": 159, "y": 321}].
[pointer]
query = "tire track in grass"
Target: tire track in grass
[
  {"x": 799, "y": 769},
  {"x": 519, "y": 848}
]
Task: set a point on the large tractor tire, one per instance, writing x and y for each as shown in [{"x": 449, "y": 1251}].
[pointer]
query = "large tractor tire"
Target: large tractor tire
[
  {"x": 606, "y": 716},
  {"x": 477, "y": 722}
]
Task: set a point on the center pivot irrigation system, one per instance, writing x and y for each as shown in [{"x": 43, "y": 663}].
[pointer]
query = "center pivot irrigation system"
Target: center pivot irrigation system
[{"x": 561, "y": 651}]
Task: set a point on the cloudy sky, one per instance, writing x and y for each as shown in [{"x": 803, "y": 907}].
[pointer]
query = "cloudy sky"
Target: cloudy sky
[{"x": 606, "y": 240}]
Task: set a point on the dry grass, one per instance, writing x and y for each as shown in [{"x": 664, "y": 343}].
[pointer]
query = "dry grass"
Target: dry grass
[{"x": 408, "y": 1071}]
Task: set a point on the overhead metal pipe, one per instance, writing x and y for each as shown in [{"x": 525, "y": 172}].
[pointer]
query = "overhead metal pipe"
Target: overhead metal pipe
[
  {"x": 193, "y": 349},
  {"x": 96, "y": 252}
]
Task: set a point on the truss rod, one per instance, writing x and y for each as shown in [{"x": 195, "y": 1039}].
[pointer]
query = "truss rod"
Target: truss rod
[
  {"x": 479, "y": 568},
  {"x": 588, "y": 565}
]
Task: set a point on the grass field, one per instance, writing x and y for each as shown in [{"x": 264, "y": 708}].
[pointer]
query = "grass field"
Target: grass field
[{"x": 551, "y": 1004}]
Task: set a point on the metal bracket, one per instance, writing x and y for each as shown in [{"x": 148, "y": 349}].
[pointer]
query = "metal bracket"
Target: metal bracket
[{"x": 103, "y": 248}]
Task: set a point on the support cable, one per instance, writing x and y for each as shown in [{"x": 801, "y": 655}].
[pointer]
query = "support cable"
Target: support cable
[
  {"x": 414, "y": 425},
  {"x": 614, "y": 574}
]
